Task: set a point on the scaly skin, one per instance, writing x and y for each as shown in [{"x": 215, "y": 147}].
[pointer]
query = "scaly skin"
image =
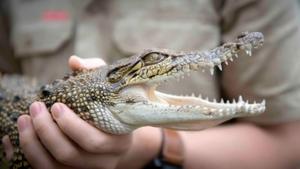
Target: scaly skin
[{"x": 121, "y": 97}]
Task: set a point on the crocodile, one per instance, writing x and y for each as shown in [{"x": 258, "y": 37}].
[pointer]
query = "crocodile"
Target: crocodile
[{"x": 122, "y": 97}]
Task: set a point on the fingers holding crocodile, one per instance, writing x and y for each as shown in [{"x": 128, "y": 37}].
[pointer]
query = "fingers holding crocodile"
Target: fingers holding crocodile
[
  {"x": 86, "y": 136},
  {"x": 34, "y": 151},
  {"x": 44, "y": 142}
]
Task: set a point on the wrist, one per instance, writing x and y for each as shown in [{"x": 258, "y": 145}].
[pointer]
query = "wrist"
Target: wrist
[{"x": 145, "y": 146}]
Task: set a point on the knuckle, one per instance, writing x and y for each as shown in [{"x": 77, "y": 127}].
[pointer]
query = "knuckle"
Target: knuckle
[
  {"x": 40, "y": 128},
  {"x": 125, "y": 145},
  {"x": 66, "y": 156},
  {"x": 100, "y": 144},
  {"x": 94, "y": 145},
  {"x": 24, "y": 142}
]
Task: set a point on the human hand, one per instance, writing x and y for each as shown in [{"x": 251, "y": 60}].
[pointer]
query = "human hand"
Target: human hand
[{"x": 70, "y": 142}]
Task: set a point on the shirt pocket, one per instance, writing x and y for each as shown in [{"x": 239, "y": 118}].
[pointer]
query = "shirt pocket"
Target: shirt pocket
[{"x": 40, "y": 27}]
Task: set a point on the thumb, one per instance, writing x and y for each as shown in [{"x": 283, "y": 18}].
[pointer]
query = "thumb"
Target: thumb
[{"x": 77, "y": 63}]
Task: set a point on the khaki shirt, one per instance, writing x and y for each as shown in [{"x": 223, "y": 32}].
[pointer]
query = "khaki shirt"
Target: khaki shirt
[{"x": 116, "y": 29}]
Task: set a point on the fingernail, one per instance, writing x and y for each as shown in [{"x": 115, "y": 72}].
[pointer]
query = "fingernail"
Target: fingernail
[
  {"x": 35, "y": 109},
  {"x": 57, "y": 110},
  {"x": 23, "y": 123}
]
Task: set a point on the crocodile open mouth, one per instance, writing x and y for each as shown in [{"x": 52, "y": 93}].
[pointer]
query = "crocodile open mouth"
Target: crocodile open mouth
[
  {"x": 221, "y": 108},
  {"x": 151, "y": 107},
  {"x": 145, "y": 105}
]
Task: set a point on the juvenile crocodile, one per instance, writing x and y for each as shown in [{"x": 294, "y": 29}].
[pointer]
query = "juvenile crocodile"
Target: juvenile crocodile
[{"x": 121, "y": 97}]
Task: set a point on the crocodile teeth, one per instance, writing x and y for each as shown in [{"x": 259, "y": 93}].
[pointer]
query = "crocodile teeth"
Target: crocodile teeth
[
  {"x": 248, "y": 52},
  {"x": 240, "y": 99},
  {"x": 226, "y": 62},
  {"x": 212, "y": 71},
  {"x": 220, "y": 67}
]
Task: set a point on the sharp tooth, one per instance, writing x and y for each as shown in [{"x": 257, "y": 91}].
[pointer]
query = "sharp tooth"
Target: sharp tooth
[
  {"x": 206, "y": 98},
  {"x": 233, "y": 101},
  {"x": 200, "y": 96},
  {"x": 215, "y": 101},
  {"x": 222, "y": 100},
  {"x": 263, "y": 102},
  {"x": 248, "y": 51},
  {"x": 220, "y": 67},
  {"x": 227, "y": 102},
  {"x": 254, "y": 102},
  {"x": 226, "y": 62},
  {"x": 212, "y": 71},
  {"x": 231, "y": 59},
  {"x": 236, "y": 55},
  {"x": 193, "y": 95},
  {"x": 240, "y": 99}
]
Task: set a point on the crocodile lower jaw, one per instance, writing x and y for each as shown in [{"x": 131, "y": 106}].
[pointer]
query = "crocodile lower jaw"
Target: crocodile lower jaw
[{"x": 151, "y": 107}]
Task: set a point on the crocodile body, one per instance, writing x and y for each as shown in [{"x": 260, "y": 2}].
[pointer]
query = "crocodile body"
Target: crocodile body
[{"x": 121, "y": 97}]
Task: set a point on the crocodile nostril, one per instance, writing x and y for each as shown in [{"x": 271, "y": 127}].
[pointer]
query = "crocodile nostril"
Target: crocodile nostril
[{"x": 45, "y": 91}]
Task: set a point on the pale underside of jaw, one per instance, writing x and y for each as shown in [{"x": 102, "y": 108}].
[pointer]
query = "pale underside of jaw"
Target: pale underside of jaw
[{"x": 179, "y": 112}]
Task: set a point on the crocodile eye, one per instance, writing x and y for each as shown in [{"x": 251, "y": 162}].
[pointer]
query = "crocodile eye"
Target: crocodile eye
[
  {"x": 113, "y": 78},
  {"x": 116, "y": 74},
  {"x": 153, "y": 58}
]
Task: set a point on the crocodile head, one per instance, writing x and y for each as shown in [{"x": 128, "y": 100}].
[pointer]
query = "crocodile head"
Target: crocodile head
[{"x": 138, "y": 103}]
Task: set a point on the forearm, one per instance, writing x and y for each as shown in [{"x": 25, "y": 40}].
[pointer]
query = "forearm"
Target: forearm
[{"x": 243, "y": 145}]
